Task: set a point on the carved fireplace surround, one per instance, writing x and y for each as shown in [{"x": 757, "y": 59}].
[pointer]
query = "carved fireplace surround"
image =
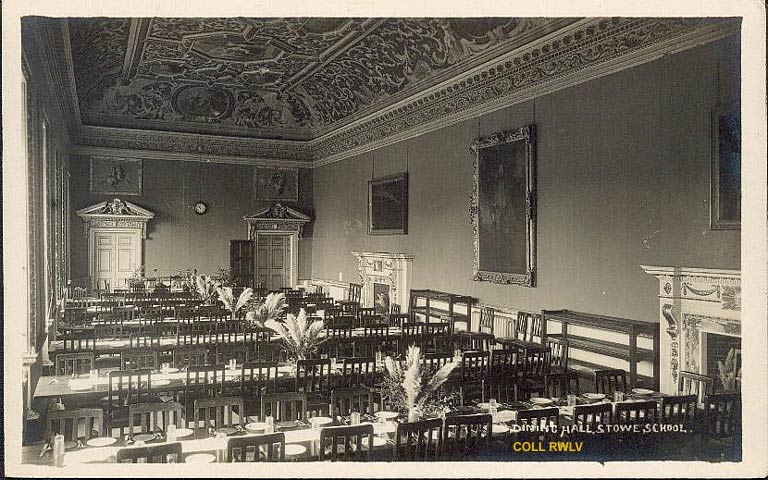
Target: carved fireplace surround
[
  {"x": 693, "y": 303},
  {"x": 393, "y": 269}
]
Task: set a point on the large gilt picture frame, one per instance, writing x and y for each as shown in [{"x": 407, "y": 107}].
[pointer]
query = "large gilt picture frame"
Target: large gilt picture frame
[{"x": 503, "y": 207}]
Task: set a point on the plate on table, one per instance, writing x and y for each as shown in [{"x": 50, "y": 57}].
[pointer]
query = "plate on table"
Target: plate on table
[
  {"x": 293, "y": 449},
  {"x": 484, "y": 405},
  {"x": 287, "y": 424},
  {"x": 200, "y": 458},
  {"x": 184, "y": 432},
  {"x": 256, "y": 426},
  {"x": 101, "y": 441},
  {"x": 499, "y": 428},
  {"x": 226, "y": 430},
  {"x": 161, "y": 383},
  {"x": 594, "y": 396},
  {"x": 642, "y": 391},
  {"x": 88, "y": 455},
  {"x": 505, "y": 416},
  {"x": 169, "y": 371},
  {"x": 386, "y": 415},
  {"x": 321, "y": 421},
  {"x": 541, "y": 401},
  {"x": 144, "y": 437}
]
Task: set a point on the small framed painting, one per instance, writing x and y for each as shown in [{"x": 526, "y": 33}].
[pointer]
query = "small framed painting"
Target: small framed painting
[
  {"x": 276, "y": 183},
  {"x": 725, "y": 186},
  {"x": 116, "y": 176},
  {"x": 388, "y": 205}
]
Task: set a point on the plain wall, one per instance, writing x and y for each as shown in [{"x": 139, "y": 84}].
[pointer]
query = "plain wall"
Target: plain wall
[
  {"x": 623, "y": 180},
  {"x": 177, "y": 237}
]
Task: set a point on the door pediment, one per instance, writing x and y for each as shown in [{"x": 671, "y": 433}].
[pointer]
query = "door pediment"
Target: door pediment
[
  {"x": 276, "y": 218},
  {"x": 115, "y": 213}
]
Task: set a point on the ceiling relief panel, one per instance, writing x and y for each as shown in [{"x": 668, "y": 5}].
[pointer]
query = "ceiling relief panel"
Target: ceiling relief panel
[{"x": 276, "y": 78}]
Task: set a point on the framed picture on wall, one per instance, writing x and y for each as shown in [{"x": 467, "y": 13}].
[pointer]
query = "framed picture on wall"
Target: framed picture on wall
[
  {"x": 388, "y": 205},
  {"x": 503, "y": 207},
  {"x": 725, "y": 187},
  {"x": 116, "y": 176},
  {"x": 276, "y": 183}
]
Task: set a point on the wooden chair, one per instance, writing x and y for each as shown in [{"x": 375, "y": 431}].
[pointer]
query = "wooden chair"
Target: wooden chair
[
  {"x": 186, "y": 357},
  {"x": 313, "y": 377},
  {"x": 589, "y": 419},
  {"x": 535, "y": 365},
  {"x": 559, "y": 348},
  {"x": 284, "y": 406},
  {"x": 358, "y": 371},
  {"x": 678, "y": 410},
  {"x": 75, "y": 317},
  {"x": 466, "y": 435},
  {"x": 203, "y": 381},
  {"x": 346, "y": 400},
  {"x": 418, "y": 441},
  {"x": 161, "y": 453},
  {"x": 722, "y": 415},
  {"x": 143, "y": 340},
  {"x": 474, "y": 373},
  {"x": 398, "y": 319},
  {"x": 487, "y": 320},
  {"x": 345, "y": 443},
  {"x": 504, "y": 374},
  {"x": 269, "y": 447},
  {"x": 74, "y": 363},
  {"x": 558, "y": 385},
  {"x": 216, "y": 413},
  {"x": 79, "y": 341},
  {"x": 241, "y": 353},
  {"x": 70, "y": 423},
  {"x": 538, "y": 424},
  {"x": 138, "y": 358},
  {"x": 696, "y": 384},
  {"x": 125, "y": 388},
  {"x": 435, "y": 361},
  {"x": 256, "y": 379},
  {"x": 366, "y": 316},
  {"x": 637, "y": 413},
  {"x": 609, "y": 381},
  {"x": 366, "y": 346},
  {"x": 153, "y": 417}
]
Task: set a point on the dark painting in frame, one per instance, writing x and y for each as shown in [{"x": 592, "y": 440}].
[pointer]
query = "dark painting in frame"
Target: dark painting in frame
[
  {"x": 503, "y": 207},
  {"x": 388, "y": 205},
  {"x": 276, "y": 183},
  {"x": 725, "y": 186},
  {"x": 116, "y": 175}
]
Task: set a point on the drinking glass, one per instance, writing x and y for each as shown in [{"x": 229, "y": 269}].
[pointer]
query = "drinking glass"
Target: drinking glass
[
  {"x": 270, "y": 421},
  {"x": 354, "y": 418},
  {"x": 492, "y": 403},
  {"x": 618, "y": 396},
  {"x": 170, "y": 434},
  {"x": 571, "y": 400}
]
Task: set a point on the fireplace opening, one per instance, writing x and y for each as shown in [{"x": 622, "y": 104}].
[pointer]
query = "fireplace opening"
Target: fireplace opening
[
  {"x": 381, "y": 298},
  {"x": 717, "y": 350}
]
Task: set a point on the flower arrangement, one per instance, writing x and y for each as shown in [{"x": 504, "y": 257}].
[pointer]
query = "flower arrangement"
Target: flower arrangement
[
  {"x": 727, "y": 371},
  {"x": 408, "y": 388},
  {"x": 270, "y": 309},
  {"x": 228, "y": 299},
  {"x": 300, "y": 336},
  {"x": 205, "y": 287}
]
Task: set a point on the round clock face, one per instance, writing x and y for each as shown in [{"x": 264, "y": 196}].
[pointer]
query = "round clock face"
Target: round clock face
[{"x": 200, "y": 208}]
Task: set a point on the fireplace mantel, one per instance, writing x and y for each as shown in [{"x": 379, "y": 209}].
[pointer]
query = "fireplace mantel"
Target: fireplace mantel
[
  {"x": 393, "y": 269},
  {"x": 693, "y": 302}
]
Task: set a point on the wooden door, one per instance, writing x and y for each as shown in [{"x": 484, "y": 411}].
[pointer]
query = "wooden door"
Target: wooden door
[
  {"x": 114, "y": 258},
  {"x": 241, "y": 261},
  {"x": 273, "y": 261}
]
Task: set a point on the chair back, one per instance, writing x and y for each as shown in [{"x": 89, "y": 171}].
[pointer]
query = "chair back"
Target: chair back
[
  {"x": 559, "y": 349},
  {"x": 679, "y": 410},
  {"x": 79, "y": 341},
  {"x": 696, "y": 384},
  {"x": 284, "y": 406},
  {"x": 313, "y": 375},
  {"x": 138, "y": 358},
  {"x": 143, "y": 339},
  {"x": 558, "y": 385},
  {"x": 189, "y": 356},
  {"x": 378, "y": 330},
  {"x": 204, "y": 381},
  {"x": 637, "y": 413},
  {"x": 354, "y": 292},
  {"x": 257, "y": 378},
  {"x": 504, "y": 365},
  {"x": 345, "y": 443},
  {"x": 435, "y": 361},
  {"x": 74, "y": 424},
  {"x": 239, "y": 352},
  {"x": 398, "y": 319},
  {"x": 474, "y": 366},
  {"x": 419, "y": 441},
  {"x": 466, "y": 434},
  {"x": 153, "y": 417},
  {"x": 127, "y": 387},
  {"x": 346, "y": 400},
  {"x": 588, "y": 417},
  {"x": 609, "y": 381},
  {"x": 487, "y": 319},
  {"x": 74, "y": 363},
  {"x": 520, "y": 325},
  {"x": 269, "y": 447},
  {"x": 722, "y": 415},
  {"x": 216, "y": 413},
  {"x": 161, "y": 453},
  {"x": 538, "y": 424},
  {"x": 358, "y": 371}
]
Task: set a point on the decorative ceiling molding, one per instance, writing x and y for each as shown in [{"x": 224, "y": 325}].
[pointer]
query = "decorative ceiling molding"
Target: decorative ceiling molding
[
  {"x": 590, "y": 49},
  {"x": 506, "y": 69}
]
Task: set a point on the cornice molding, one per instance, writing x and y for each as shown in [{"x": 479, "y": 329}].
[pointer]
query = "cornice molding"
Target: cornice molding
[{"x": 585, "y": 51}]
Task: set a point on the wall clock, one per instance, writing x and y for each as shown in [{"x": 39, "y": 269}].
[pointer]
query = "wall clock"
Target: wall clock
[{"x": 200, "y": 208}]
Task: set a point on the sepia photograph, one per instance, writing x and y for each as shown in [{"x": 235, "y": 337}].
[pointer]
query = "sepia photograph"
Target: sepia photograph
[{"x": 560, "y": 248}]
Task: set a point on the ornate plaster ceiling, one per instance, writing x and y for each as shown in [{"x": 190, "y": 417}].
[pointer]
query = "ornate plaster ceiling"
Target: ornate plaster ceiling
[{"x": 273, "y": 78}]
